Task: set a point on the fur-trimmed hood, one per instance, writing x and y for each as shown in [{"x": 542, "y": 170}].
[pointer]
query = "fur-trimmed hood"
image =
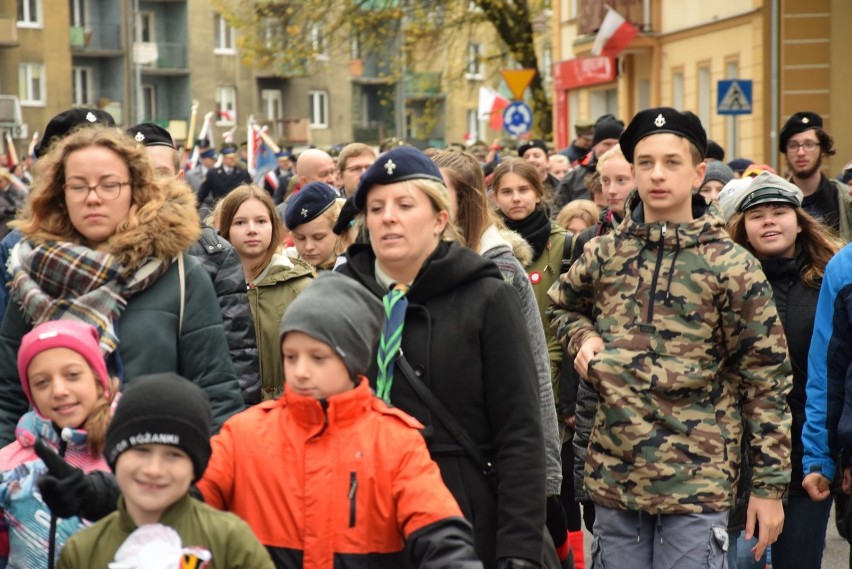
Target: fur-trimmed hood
[
  {"x": 163, "y": 230},
  {"x": 494, "y": 237}
]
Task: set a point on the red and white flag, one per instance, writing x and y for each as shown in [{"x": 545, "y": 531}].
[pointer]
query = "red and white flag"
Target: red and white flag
[
  {"x": 614, "y": 34},
  {"x": 491, "y": 106}
]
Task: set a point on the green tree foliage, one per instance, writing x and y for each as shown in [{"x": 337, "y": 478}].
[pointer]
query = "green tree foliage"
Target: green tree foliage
[{"x": 285, "y": 35}]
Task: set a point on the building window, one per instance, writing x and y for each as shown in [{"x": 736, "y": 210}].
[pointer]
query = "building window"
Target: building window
[
  {"x": 29, "y": 13},
  {"x": 319, "y": 109},
  {"x": 149, "y": 102},
  {"x": 79, "y": 13},
  {"x": 474, "y": 61},
  {"x": 81, "y": 86},
  {"x": 148, "y": 27},
  {"x": 270, "y": 100},
  {"x": 226, "y": 106},
  {"x": 472, "y": 125},
  {"x": 547, "y": 65},
  {"x": 223, "y": 35},
  {"x": 704, "y": 96},
  {"x": 677, "y": 90},
  {"x": 318, "y": 43},
  {"x": 31, "y": 87}
]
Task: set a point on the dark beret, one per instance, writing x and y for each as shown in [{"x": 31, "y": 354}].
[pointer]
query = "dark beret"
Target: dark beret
[
  {"x": 522, "y": 149},
  {"x": 150, "y": 134},
  {"x": 660, "y": 120},
  {"x": 715, "y": 151},
  {"x": 346, "y": 217},
  {"x": 64, "y": 123},
  {"x": 798, "y": 122},
  {"x": 209, "y": 153},
  {"x": 606, "y": 129},
  {"x": 396, "y": 165},
  {"x": 229, "y": 149},
  {"x": 308, "y": 203}
]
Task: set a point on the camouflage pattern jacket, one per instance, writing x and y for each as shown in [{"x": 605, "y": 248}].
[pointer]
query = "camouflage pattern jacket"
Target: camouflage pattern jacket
[{"x": 693, "y": 347}]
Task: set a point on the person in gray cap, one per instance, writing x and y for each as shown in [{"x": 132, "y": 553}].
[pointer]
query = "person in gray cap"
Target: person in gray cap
[
  {"x": 717, "y": 175},
  {"x": 794, "y": 250},
  {"x": 805, "y": 143},
  {"x": 333, "y": 437}
]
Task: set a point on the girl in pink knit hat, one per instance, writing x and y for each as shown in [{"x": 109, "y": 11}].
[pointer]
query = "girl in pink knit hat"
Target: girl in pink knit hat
[{"x": 65, "y": 378}]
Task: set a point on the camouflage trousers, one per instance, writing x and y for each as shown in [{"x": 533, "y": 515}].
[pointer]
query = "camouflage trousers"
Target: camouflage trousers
[{"x": 624, "y": 538}]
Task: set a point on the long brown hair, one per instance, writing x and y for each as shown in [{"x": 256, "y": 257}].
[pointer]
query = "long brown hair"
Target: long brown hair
[
  {"x": 227, "y": 208},
  {"x": 526, "y": 171},
  {"x": 816, "y": 242},
  {"x": 98, "y": 420},
  {"x": 473, "y": 216},
  {"x": 45, "y": 218}
]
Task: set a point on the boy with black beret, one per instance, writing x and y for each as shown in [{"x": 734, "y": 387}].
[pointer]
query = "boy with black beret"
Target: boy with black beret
[
  {"x": 674, "y": 326},
  {"x": 157, "y": 444}
]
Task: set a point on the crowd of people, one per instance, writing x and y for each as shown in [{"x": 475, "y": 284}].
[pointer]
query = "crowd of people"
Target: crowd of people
[{"x": 440, "y": 359}]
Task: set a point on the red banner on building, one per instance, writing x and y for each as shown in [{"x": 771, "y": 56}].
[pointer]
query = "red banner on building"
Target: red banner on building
[{"x": 573, "y": 74}]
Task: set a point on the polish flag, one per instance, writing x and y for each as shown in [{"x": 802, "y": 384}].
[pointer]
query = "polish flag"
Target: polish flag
[
  {"x": 613, "y": 35},
  {"x": 491, "y": 107}
]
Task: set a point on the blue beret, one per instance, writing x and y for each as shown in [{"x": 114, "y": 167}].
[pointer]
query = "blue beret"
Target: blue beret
[
  {"x": 282, "y": 154},
  {"x": 209, "y": 153},
  {"x": 397, "y": 165},
  {"x": 661, "y": 120},
  {"x": 308, "y": 203}
]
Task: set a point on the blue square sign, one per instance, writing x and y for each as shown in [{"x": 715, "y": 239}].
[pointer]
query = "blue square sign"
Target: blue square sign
[{"x": 734, "y": 97}]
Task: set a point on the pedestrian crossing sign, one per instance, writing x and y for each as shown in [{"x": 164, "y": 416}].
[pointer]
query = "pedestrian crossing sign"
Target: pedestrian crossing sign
[{"x": 734, "y": 97}]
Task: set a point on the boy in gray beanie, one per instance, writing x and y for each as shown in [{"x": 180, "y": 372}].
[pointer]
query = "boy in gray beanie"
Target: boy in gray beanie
[
  {"x": 328, "y": 472},
  {"x": 717, "y": 175}
]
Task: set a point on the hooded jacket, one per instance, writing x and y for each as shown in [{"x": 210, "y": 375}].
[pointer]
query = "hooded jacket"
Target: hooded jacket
[
  {"x": 148, "y": 327},
  {"x": 509, "y": 251},
  {"x": 693, "y": 346},
  {"x": 465, "y": 337},
  {"x": 269, "y": 296},
  {"x": 25, "y": 530},
  {"x": 359, "y": 483}
]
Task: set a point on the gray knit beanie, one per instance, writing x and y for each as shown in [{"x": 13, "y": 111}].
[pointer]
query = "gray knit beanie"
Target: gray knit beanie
[
  {"x": 340, "y": 312},
  {"x": 718, "y": 171}
]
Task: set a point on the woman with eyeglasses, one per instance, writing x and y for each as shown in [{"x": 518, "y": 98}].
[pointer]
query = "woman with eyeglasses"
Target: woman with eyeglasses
[{"x": 104, "y": 242}]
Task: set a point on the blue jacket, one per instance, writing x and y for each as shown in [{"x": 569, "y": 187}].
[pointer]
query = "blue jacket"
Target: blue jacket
[{"x": 828, "y": 423}]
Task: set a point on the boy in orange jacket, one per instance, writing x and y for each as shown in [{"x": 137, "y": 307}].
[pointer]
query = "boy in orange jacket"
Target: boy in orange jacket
[{"x": 328, "y": 471}]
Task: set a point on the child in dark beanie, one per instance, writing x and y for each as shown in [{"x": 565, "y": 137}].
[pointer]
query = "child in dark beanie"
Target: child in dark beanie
[
  {"x": 157, "y": 445},
  {"x": 329, "y": 474}
]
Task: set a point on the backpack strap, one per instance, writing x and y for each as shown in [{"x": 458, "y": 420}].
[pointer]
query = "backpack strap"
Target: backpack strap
[{"x": 567, "y": 253}]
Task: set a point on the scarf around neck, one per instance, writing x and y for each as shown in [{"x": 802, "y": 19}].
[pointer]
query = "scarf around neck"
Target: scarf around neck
[
  {"x": 65, "y": 281},
  {"x": 535, "y": 229}
]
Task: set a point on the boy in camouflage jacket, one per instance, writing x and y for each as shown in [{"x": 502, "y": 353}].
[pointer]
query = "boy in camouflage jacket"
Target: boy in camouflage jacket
[{"x": 674, "y": 325}]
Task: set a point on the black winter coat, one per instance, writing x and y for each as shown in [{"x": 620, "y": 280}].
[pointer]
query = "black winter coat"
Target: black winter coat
[
  {"x": 465, "y": 337},
  {"x": 223, "y": 264}
]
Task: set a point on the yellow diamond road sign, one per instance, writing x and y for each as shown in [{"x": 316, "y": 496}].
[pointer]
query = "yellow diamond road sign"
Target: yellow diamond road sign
[{"x": 518, "y": 80}]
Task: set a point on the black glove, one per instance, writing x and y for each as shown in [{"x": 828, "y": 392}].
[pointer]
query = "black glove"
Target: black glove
[
  {"x": 515, "y": 563},
  {"x": 68, "y": 492}
]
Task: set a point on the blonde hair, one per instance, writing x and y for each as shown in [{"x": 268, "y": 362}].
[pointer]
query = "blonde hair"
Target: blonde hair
[
  {"x": 440, "y": 199},
  {"x": 465, "y": 173},
  {"x": 584, "y": 209},
  {"x": 614, "y": 152}
]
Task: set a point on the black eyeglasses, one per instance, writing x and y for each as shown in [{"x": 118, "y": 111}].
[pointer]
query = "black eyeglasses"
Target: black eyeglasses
[{"x": 808, "y": 145}]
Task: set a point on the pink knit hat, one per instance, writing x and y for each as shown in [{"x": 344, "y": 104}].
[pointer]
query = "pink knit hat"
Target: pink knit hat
[{"x": 77, "y": 336}]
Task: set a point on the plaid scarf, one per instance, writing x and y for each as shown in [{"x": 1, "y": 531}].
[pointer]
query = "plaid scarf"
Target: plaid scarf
[{"x": 65, "y": 281}]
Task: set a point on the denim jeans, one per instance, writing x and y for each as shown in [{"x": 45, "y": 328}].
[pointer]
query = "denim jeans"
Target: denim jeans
[
  {"x": 739, "y": 552},
  {"x": 802, "y": 540}
]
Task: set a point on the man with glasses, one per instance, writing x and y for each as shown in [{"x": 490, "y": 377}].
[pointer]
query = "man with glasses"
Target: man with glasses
[
  {"x": 804, "y": 142},
  {"x": 353, "y": 160}
]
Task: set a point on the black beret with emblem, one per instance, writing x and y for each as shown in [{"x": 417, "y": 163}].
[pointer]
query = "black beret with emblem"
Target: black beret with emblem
[
  {"x": 663, "y": 120},
  {"x": 150, "y": 134},
  {"x": 530, "y": 144},
  {"x": 64, "y": 123},
  {"x": 798, "y": 122},
  {"x": 397, "y": 165},
  {"x": 308, "y": 203}
]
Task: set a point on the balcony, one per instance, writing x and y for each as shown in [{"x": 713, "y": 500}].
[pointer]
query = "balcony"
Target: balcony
[
  {"x": 96, "y": 39},
  {"x": 372, "y": 70},
  {"x": 425, "y": 85},
  {"x": 8, "y": 31},
  {"x": 161, "y": 57}
]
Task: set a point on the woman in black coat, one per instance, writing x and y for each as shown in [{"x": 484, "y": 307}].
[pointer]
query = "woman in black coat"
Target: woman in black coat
[
  {"x": 464, "y": 336},
  {"x": 793, "y": 249}
]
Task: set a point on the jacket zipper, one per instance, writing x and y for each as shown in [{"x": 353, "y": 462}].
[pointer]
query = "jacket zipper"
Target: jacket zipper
[
  {"x": 353, "y": 490},
  {"x": 649, "y": 327}
]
